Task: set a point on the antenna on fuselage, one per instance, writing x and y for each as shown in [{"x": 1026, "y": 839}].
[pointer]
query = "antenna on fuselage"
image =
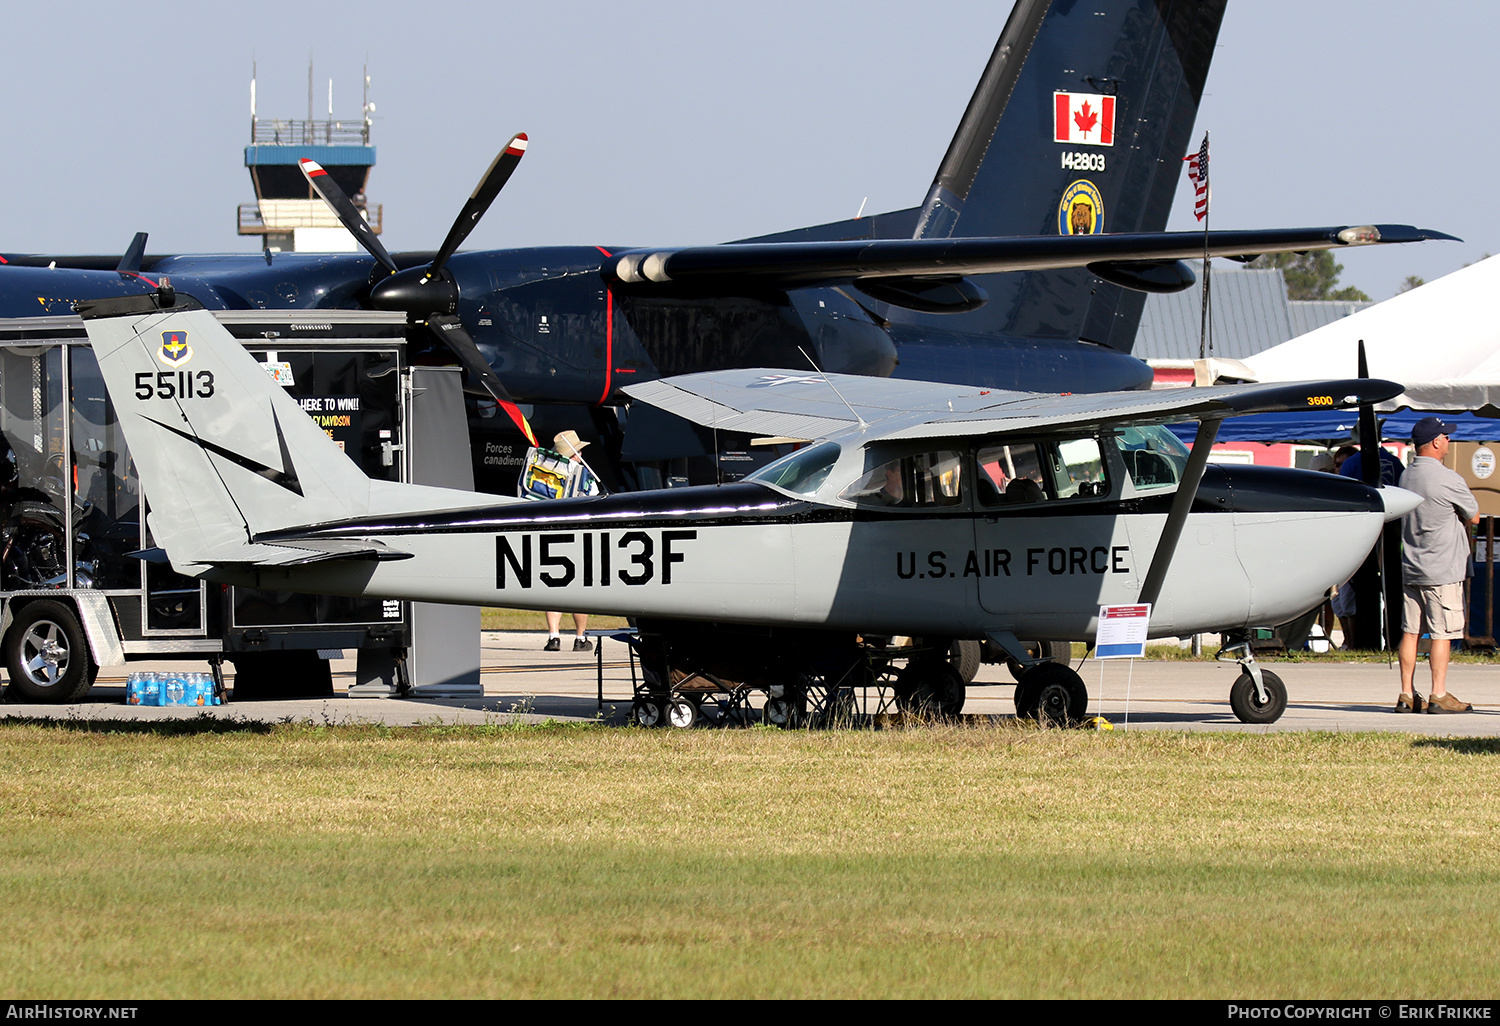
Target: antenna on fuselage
[{"x": 827, "y": 381}]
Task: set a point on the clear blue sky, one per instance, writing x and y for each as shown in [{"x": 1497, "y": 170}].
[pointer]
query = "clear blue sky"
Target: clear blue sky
[{"x": 662, "y": 122}]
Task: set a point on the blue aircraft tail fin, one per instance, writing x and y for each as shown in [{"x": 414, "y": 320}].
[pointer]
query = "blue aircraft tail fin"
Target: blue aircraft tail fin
[{"x": 1079, "y": 124}]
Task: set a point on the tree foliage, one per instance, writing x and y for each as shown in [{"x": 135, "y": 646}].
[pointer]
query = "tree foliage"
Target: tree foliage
[{"x": 1312, "y": 275}]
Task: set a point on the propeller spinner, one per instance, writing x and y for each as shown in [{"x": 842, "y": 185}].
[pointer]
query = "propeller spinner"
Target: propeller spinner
[{"x": 429, "y": 295}]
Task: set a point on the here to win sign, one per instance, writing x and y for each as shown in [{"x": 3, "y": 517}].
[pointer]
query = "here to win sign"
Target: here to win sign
[{"x": 1122, "y": 632}]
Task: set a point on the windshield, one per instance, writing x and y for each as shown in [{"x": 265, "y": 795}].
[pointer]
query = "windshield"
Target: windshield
[{"x": 801, "y": 473}]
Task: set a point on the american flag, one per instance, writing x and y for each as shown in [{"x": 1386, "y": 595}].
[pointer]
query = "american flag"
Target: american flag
[{"x": 1198, "y": 174}]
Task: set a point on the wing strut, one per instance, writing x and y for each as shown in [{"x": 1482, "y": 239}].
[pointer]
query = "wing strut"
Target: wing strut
[{"x": 1182, "y": 504}]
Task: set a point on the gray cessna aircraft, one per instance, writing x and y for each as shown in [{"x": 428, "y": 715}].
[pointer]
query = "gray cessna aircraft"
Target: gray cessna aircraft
[{"x": 932, "y": 511}]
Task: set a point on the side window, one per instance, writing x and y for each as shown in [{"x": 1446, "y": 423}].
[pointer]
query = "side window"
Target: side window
[
  {"x": 923, "y": 480},
  {"x": 1080, "y": 469},
  {"x": 1153, "y": 456},
  {"x": 1021, "y": 473},
  {"x": 1010, "y": 475}
]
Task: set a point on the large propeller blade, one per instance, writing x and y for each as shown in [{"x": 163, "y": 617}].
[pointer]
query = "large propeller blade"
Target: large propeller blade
[
  {"x": 498, "y": 173},
  {"x": 348, "y": 214},
  {"x": 451, "y": 330},
  {"x": 428, "y": 295}
]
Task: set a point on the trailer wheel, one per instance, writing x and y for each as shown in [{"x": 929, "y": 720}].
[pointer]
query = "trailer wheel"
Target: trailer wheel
[
  {"x": 681, "y": 712},
  {"x": 47, "y": 655},
  {"x": 781, "y": 711},
  {"x": 646, "y": 712},
  {"x": 1247, "y": 704}
]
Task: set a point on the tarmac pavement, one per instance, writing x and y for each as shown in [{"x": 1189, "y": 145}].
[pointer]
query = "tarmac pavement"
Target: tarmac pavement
[{"x": 523, "y": 683}]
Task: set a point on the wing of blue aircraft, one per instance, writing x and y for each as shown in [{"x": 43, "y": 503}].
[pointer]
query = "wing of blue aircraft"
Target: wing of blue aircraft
[{"x": 806, "y": 264}]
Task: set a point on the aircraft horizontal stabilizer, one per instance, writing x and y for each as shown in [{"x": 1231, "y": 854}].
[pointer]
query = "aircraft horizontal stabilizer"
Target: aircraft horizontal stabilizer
[
  {"x": 288, "y": 554},
  {"x": 771, "y": 402}
]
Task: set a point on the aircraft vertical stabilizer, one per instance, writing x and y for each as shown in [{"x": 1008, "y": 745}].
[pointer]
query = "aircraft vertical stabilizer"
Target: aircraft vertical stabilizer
[
  {"x": 1078, "y": 125},
  {"x": 226, "y": 453}
]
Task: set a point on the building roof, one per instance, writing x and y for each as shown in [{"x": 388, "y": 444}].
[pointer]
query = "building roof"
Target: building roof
[{"x": 1250, "y": 313}]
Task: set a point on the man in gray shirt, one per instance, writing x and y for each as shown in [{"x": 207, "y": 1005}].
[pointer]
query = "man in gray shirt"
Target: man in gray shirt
[{"x": 1434, "y": 563}]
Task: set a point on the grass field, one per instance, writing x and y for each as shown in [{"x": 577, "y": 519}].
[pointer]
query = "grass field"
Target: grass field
[{"x": 230, "y": 861}]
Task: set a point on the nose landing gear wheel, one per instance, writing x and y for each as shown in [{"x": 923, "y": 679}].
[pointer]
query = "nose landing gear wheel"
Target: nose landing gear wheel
[
  {"x": 1246, "y": 703},
  {"x": 1052, "y": 693}
]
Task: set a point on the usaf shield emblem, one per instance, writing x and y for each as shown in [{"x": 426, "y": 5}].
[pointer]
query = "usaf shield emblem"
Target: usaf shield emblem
[{"x": 174, "y": 351}]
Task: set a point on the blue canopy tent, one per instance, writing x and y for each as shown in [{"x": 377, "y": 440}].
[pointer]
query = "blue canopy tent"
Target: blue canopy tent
[{"x": 1334, "y": 427}]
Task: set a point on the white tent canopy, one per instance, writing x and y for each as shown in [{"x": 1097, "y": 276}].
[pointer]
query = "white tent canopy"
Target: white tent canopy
[{"x": 1442, "y": 341}]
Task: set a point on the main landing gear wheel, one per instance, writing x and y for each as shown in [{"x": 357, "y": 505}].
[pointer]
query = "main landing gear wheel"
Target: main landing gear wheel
[
  {"x": 1056, "y": 651},
  {"x": 965, "y": 657},
  {"x": 930, "y": 687},
  {"x": 1052, "y": 693},
  {"x": 646, "y": 712},
  {"x": 1246, "y": 703},
  {"x": 47, "y": 655}
]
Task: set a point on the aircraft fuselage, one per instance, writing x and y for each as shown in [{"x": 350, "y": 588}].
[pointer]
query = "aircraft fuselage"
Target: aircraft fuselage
[{"x": 1260, "y": 548}]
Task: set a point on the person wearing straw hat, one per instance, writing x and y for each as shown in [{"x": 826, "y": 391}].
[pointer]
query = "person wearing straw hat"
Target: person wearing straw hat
[{"x": 567, "y": 443}]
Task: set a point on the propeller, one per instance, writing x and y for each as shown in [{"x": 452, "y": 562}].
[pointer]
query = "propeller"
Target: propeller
[
  {"x": 429, "y": 295},
  {"x": 1372, "y": 574}
]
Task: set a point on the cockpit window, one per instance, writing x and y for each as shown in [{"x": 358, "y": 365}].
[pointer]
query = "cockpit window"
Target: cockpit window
[
  {"x": 1021, "y": 473},
  {"x": 921, "y": 480},
  {"x": 1153, "y": 455},
  {"x": 803, "y": 472}
]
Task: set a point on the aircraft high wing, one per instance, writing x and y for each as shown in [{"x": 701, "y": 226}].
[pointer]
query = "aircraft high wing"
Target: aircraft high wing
[{"x": 927, "y": 510}]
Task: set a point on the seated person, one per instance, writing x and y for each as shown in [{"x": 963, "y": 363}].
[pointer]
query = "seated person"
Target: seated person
[{"x": 1024, "y": 490}]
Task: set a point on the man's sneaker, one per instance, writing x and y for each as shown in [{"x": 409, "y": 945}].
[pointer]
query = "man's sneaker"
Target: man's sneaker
[
  {"x": 582, "y": 645},
  {"x": 1412, "y": 703},
  {"x": 1447, "y": 703},
  {"x": 553, "y": 645}
]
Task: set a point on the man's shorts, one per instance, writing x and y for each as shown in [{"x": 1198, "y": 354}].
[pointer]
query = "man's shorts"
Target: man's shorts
[{"x": 1440, "y": 606}]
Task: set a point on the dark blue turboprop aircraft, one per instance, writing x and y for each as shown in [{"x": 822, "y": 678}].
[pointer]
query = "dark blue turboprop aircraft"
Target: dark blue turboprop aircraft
[{"x": 1024, "y": 268}]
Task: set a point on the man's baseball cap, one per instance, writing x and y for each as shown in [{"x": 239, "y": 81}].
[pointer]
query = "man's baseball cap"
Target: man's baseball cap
[{"x": 1428, "y": 428}]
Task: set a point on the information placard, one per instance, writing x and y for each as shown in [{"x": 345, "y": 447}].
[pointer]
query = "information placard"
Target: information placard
[{"x": 1122, "y": 631}]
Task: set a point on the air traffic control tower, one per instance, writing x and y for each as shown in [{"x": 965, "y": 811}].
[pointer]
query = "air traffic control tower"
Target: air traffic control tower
[{"x": 287, "y": 214}]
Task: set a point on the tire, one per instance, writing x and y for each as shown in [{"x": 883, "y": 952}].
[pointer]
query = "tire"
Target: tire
[
  {"x": 931, "y": 688},
  {"x": 1052, "y": 651},
  {"x": 1248, "y": 707},
  {"x": 47, "y": 655},
  {"x": 1052, "y": 693},
  {"x": 681, "y": 713},
  {"x": 964, "y": 655},
  {"x": 646, "y": 712},
  {"x": 782, "y": 712}
]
